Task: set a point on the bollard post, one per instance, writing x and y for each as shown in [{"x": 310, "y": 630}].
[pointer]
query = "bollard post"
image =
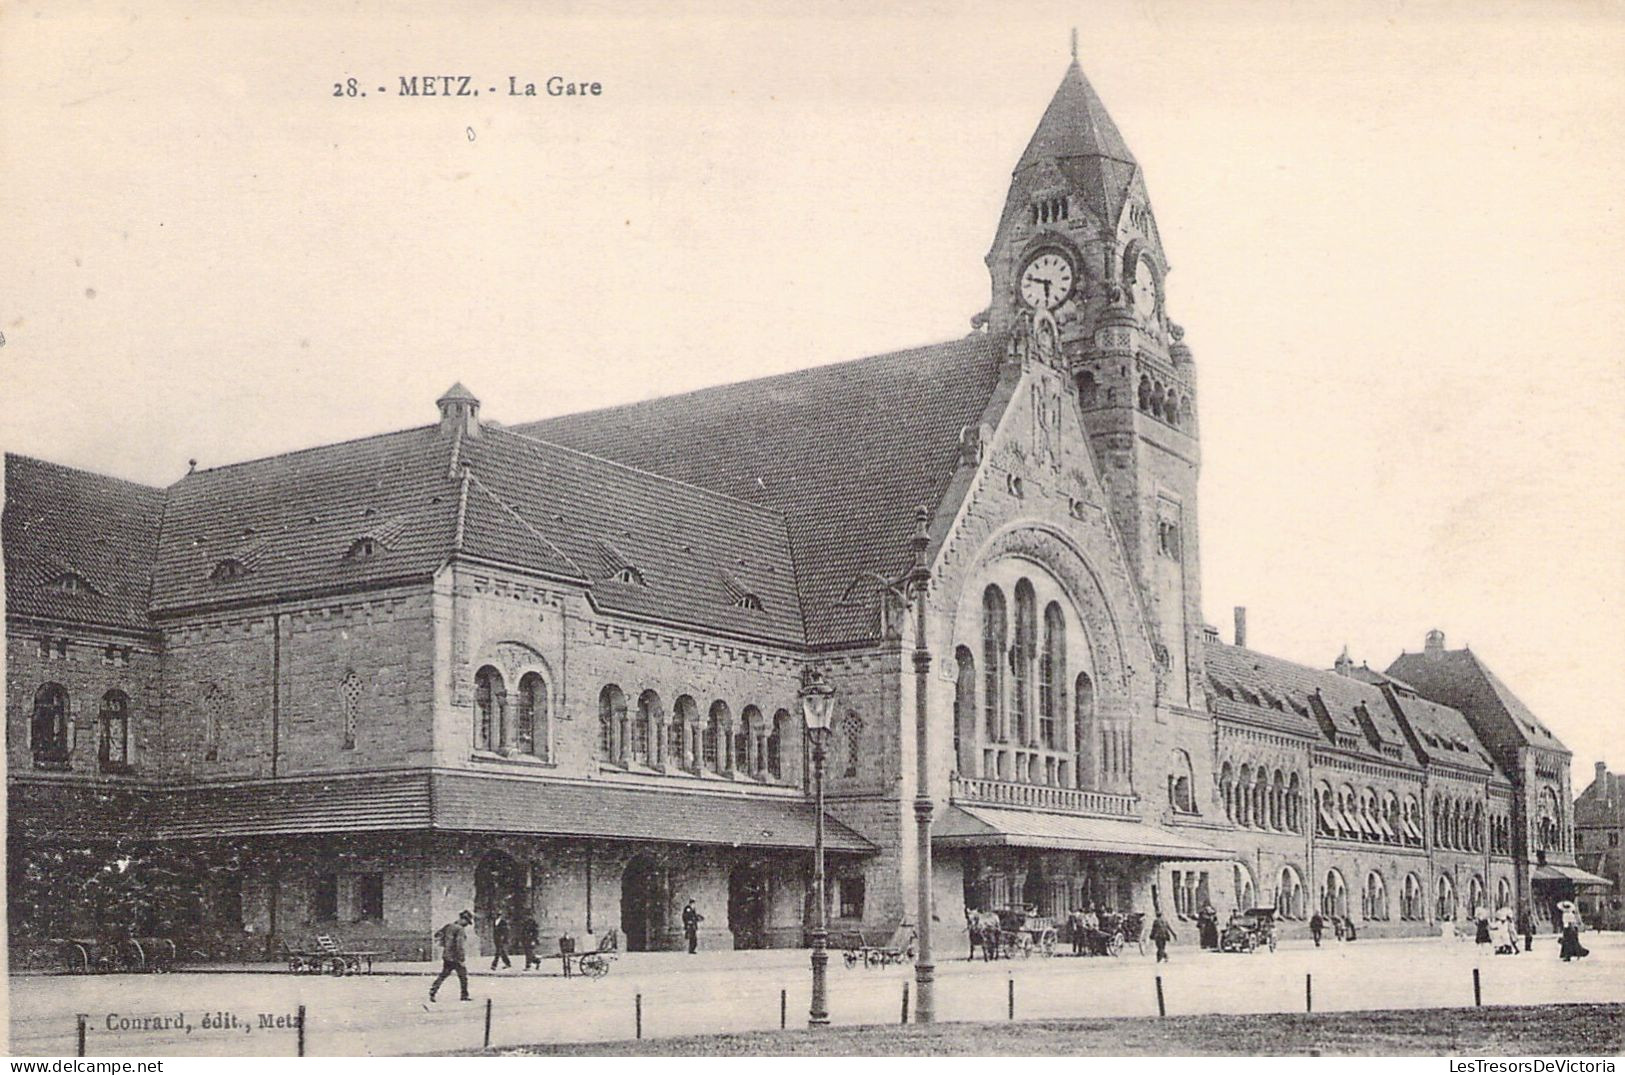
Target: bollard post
[
  {"x": 487, "y": 1022},
  {"x": 905, "y": 1002},
  {"x": 638, "y": 1009},
  {"x": 1162, "y": 1009},
  {"x": 301, "y": 1030},
  {"x": 1478, "y": 994},
  {"x": 1308, "y": 993},
  {"x": 82, "y": 1023},
  {"x": 1012, "y": 991},
  {"x": 784, "y": 1008}
]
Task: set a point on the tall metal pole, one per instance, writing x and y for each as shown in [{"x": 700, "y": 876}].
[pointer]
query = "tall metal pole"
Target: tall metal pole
[
  {"x": 818, "y": 1015},
  {"x": 919, "y": 578}
]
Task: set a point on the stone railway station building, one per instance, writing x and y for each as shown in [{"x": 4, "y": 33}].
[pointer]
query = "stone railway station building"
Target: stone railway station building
[{"x": 553, "y": 668}]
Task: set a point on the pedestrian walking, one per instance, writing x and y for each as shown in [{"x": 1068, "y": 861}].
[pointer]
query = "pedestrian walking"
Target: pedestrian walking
[
  {"x": 499, "y": 937},
  {"x": 1570, "y": 947},
  {"x": 567, "y": 949},
  {"x": 1526, "y": 926},
  {"x": 1481, "y": 927},
  {"x": 1207, "y": 924},
  {"x": 1337, "y": 926},
  {"x": 1317, "y": 926},
  {"x": 691, "y": 926},
  {"x": 1161, "y": 934},
  {"x": 530, "y": 934},
  {"x": 1348, "y": 928},
  {"x": 453, "y": 938}
]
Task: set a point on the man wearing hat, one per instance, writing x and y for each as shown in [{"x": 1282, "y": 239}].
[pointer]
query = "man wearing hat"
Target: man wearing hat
[{"x": 453, "y": 954}]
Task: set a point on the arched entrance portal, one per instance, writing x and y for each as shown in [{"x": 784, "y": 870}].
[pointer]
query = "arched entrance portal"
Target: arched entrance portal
[
  {"x": 643, "y": 905},
  {"x": 499, "y": 885},
  {"x": 747, "y": 906}
]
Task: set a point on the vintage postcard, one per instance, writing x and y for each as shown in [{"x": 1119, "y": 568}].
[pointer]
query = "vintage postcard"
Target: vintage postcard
[{"x": 923, "y": 529}]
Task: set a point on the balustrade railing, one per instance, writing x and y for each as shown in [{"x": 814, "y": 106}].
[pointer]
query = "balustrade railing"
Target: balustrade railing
[{"x": 1043, "y": 797}]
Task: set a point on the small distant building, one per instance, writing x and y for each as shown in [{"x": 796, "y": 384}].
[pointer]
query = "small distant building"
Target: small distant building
[{"x": 1599, "y": 830}]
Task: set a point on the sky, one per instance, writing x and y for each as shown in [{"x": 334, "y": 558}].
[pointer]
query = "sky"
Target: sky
[{"x": 1394, "y": 231}]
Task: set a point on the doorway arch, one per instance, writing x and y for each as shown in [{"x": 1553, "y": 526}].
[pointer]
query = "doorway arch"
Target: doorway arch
[
  {"x": 747, "y": 906},
  {"x": 499, "y": 886},
  {"x": 643, "y": 905}
]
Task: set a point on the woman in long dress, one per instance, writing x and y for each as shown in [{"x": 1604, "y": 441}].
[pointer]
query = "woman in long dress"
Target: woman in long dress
[{"x": 1570, "y": 947}]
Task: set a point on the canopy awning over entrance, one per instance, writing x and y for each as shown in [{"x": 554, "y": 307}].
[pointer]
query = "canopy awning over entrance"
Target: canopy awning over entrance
[
  {"x": 985, "y": 826},
  {"x": 1571, "y": 875}
]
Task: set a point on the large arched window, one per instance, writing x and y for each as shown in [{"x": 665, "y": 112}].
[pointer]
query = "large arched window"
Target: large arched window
[
  {"x": 48, "y": 729},
  {"x": 1244, "y": 796},
  {"x": 1503, "y": 894},
  {"x": 1227, "y": 791},
  {"x": 1412, "y": 904},
  {"x": 1334, "y": 898},
  {"x": 994, "y": 629},
  {"x": 214, "y": 721},
  {"x": 1325, "y": 810},
  {"x": 748, "y": 742},
  {"x": 1548, "y": 820},
  {"x": 852, "y": 741},
  {"x": 1294, "y": 804},
  {"x": 114, "y": 750},
  {"x": 646, "y": 729},
  {"x": 685, "y": 734},
  {"x": 1475, "y": 896},
  {"x": 1289, "y": 898},
  {"x": 1445, "y": 903},
  {"x": 1083, "y": 730},
  {"x": 1052, "y": 678},
  {"x": 532, "y": 728},
  {"x": 716, "y": 737},
  {"x": 784, "y": 731},
  {"x": 612, "y": 724},
  {"x": 490, "y": 699},
  {"x": 350, "y": 706},
  {"x": 965, "y": 712},
  {"x": 1182, "y": 783},
  {"x": 1374, "y": 898},
  {"x": 1023, "y": 648},
  {"x": 1278, "y": 801},
  {"x": 1246, "y": 894}
]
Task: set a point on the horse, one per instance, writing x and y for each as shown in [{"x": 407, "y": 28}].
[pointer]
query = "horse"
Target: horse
[{"x": 983, "y": 927}]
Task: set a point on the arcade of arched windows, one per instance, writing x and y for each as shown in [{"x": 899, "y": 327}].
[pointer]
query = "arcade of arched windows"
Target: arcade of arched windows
[
  {"x": 1458, "y": 823},
  {"x": 748, "y": 745},
  {"x": 1261, "y": 797},
  {"x": 50, "y": 737},
  {"x": 1550, "y": 833},
  {"x": 1035, "y": 720},
  {"x": 1368, "y": 815},
  {"x": 1500, "y": 834},
  {"x": 1165, "y": 402}
]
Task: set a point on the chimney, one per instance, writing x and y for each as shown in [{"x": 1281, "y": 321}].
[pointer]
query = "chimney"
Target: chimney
[
  {"x": 1602, "y": 769},
  {"x": 459, "y": 411},
  {"x": 1241, "y": 625},
  {"x": 1434, "y": 646}
]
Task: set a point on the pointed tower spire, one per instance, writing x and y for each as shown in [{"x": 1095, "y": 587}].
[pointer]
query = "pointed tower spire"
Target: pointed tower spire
[
  {"x": 1075, "y": 124},
  {"x": 1074, "y": 44}
]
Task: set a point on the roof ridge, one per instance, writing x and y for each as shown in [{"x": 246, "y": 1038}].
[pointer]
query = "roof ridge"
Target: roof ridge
[
  {"x": 537, "y": 534},
  {"x": 157, "y": 489},
  {"x": 753, "y": 505},
  {"x": 302, "y": 451},
  {"x": 765, "y": 378}
]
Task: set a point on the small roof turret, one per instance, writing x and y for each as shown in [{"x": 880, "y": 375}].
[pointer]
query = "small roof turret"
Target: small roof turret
[{"x": 459, "y": 411}]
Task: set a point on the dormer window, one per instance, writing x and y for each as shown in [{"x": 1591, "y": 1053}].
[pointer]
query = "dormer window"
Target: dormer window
[
  {"x": 70, "y": 583},
  {"x": 227, "y": 570},
  {"x": 739, "y": 595},
  {"x": 629, "y": 576},
  {"x": 363, "y": 548},
  {"x": 749, "y": 602}
]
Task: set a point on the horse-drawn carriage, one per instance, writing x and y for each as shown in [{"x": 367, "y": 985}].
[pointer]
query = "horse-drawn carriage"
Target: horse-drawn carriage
[
  {"x": 1250, "y": 931},
  {"x": 1105, "y": 933},
  {"x": 1009, "y": 932},
  {"x": 901, "y": 948}
]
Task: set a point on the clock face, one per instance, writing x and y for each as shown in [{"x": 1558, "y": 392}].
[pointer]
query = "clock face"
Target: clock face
[
  {"x": 1145, "y": 288},
  {"x": 1047, "y": 280}
]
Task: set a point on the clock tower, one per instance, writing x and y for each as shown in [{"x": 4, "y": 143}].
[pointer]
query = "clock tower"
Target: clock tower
[{"x": 1078, "y": 240}]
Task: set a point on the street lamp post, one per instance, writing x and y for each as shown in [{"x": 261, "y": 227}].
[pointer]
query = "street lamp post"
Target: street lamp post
[{"x": 817, "y": 708}]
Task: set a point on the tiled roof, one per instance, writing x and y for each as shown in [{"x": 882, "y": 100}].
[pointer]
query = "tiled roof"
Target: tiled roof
[
  {"x": 62, "y": 522},
  {"x": 1295, "y": 697},
  {"x": 473, "y": 802},
  {"x": 373, "y": 803},
  {"x": 844, "y": 453},
  {"x": 1442, "y": 733},
  {"x": 73, "y": 810},
  {"x": 293, "y": 520},
  {"x": 1459, "y": 679},
  {"x": 693, "y": 549}
]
